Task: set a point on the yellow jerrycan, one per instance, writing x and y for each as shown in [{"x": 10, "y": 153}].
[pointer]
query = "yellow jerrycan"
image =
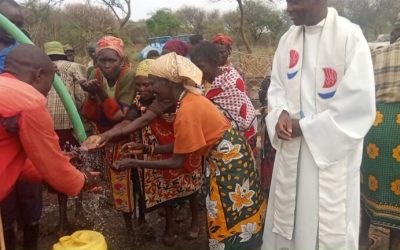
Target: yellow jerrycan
[{"x": 82, "y": 240}]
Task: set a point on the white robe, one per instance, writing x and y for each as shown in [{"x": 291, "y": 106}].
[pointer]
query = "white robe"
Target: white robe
[{"x": 314, "y": 195}]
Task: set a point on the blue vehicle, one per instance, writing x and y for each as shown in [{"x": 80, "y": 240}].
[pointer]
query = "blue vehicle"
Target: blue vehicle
[{"x": 157, "y": 43}]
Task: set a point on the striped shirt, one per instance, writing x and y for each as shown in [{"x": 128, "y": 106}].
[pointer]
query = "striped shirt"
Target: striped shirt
[
  {"x": 70, "y": 73},
  {"x": 387, "y": 73}
]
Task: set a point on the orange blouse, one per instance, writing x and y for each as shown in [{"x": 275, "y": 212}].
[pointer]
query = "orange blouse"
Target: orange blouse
[{"x": 198, "y": 125}]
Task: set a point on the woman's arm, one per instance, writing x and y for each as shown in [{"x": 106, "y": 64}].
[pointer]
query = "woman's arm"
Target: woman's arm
[
  {"x": 127, "y": 127},
  {"x": 164, "y": 149},
  {"x": 175, "y": 162},
  {"x": 138, "y": 123},
  {"x": 120, "y": 114}
]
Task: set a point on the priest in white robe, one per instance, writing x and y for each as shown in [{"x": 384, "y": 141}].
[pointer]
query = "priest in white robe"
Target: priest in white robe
[{"x": 321, "y": 105}]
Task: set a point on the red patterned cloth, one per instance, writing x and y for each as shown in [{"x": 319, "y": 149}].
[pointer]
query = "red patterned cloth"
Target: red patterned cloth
[
  {"x": 111, "y": 42},
  {"x": 163, "y": 186},
  {"x": 229, "y": 93},
  {"x": 267, "y": 160},
  {"x": 224, "y": 40}
]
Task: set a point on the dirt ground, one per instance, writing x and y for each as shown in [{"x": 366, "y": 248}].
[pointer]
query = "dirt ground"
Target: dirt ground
[{"x": 103, "y": 218}]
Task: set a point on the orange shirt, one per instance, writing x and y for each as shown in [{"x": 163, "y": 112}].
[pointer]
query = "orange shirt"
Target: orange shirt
[
  {"x": 28, "y": 143},
  {"x": 198, "y": 125}
]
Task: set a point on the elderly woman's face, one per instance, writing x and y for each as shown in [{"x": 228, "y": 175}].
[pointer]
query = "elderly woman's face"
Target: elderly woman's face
[
  {"x": 110, "y": 62},
  {"x": 223, "y": 54},
  {"x": 160, "y": 88},
  {"x": 209, "y": 69}
]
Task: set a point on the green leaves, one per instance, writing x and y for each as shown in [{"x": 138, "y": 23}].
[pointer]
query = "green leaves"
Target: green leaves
[{"x": 164, "y": 22}]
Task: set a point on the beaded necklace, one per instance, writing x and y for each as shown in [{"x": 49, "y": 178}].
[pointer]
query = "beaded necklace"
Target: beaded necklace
[{"x": 178, "y": 104}]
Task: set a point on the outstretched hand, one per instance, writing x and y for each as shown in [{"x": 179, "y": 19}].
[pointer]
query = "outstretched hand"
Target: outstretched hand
[
  {"x": 92, "y": 142},
  {"x": 92, "y": 86},
  {"x": 91, "y": 181},
  {"x": 124, "y": 164},
  {"x": 132, "y": 148},
  {"x": 104, "y": 139}
]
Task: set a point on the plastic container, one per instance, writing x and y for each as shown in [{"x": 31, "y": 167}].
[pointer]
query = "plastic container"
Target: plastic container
[{"x": 82, "y": 240}]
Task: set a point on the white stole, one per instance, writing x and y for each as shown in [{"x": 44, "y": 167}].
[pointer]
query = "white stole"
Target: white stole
[{"x": 329, "y": 73}]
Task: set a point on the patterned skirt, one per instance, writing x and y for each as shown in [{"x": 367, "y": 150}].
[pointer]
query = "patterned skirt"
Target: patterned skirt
[
  {"x": 163, "y": 187},
  {"x": 380, "y": 169},
  {"x": 235, "y": 202},
  {"x": 120, "y": 181},
  {"x": 166, "y": 187}
]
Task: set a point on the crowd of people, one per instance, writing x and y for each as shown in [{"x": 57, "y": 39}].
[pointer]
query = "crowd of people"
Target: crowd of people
[{"x": 179, "y": 128}]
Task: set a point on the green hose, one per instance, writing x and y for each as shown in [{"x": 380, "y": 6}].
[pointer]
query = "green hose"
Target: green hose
[{"x": 58, "y": 85}]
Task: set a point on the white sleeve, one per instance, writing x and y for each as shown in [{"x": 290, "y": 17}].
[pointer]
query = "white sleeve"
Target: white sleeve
[
  {"x": 340, "y": 128},
  {"x": 277, "y": 100}
]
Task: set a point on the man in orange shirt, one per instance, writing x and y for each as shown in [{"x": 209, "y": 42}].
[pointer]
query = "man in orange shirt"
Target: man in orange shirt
[{"x": 28, "y": 144}]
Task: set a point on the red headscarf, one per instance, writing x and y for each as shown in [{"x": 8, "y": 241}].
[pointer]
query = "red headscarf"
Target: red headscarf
[
  {"x": 223, "y": 39},
  {"x": 177, "y": 46},
  {"x": 111, "y": 42}
]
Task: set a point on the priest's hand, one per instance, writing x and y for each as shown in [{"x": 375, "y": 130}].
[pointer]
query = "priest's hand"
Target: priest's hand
[
  {"x": 296, "y": 129},
  {"x": 284, "y": 126}
]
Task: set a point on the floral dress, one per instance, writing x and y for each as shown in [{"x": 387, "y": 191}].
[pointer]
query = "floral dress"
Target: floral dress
[
  {"x": 160, "y": 187},
  {"x": 380, "y": 168},
  {"x": 235, "y": 202}
]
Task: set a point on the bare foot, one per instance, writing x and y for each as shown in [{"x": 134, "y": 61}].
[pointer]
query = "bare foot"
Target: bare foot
[
  {"x": 81, "y": 220},
  {"x": 161, "y": 212},
  {"x": 169, "y": 239},
  {"x": 182, "y": 214},
  {"x": 193, "y": 233},
  {"x": 62, "y": 229}
]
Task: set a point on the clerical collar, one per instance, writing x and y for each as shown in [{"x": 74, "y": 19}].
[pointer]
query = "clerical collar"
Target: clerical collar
[{"x": 318, "y": 26}]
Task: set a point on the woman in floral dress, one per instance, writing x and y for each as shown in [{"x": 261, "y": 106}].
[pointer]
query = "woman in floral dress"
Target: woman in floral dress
[{"x": 235, "y": 203}]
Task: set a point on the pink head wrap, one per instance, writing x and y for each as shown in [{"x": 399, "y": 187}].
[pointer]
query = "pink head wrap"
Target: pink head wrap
[
  {"x": 177, "y": 46},
  {"x": 111, "y": 42}
]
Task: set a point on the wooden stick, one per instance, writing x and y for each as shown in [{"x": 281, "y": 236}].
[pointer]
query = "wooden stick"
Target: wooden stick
[{"x": 2, "y": 243}]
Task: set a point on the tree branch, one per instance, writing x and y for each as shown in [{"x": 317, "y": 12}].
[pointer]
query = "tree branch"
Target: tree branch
[
  {"x": 127, "y": 14},
  {"x": 109, "y": 5},
  {"x": 246, "y": 42}
]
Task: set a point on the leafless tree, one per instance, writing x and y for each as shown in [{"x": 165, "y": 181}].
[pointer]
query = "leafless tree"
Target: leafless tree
[
  {"x": 121, "y": 9},
  {"x": 242, "y": 32}
]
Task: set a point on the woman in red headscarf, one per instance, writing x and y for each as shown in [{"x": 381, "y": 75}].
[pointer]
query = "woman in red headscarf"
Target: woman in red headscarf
[
  {"x": 111, "y": 90},
  {"x": 224, "y": 44}
]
